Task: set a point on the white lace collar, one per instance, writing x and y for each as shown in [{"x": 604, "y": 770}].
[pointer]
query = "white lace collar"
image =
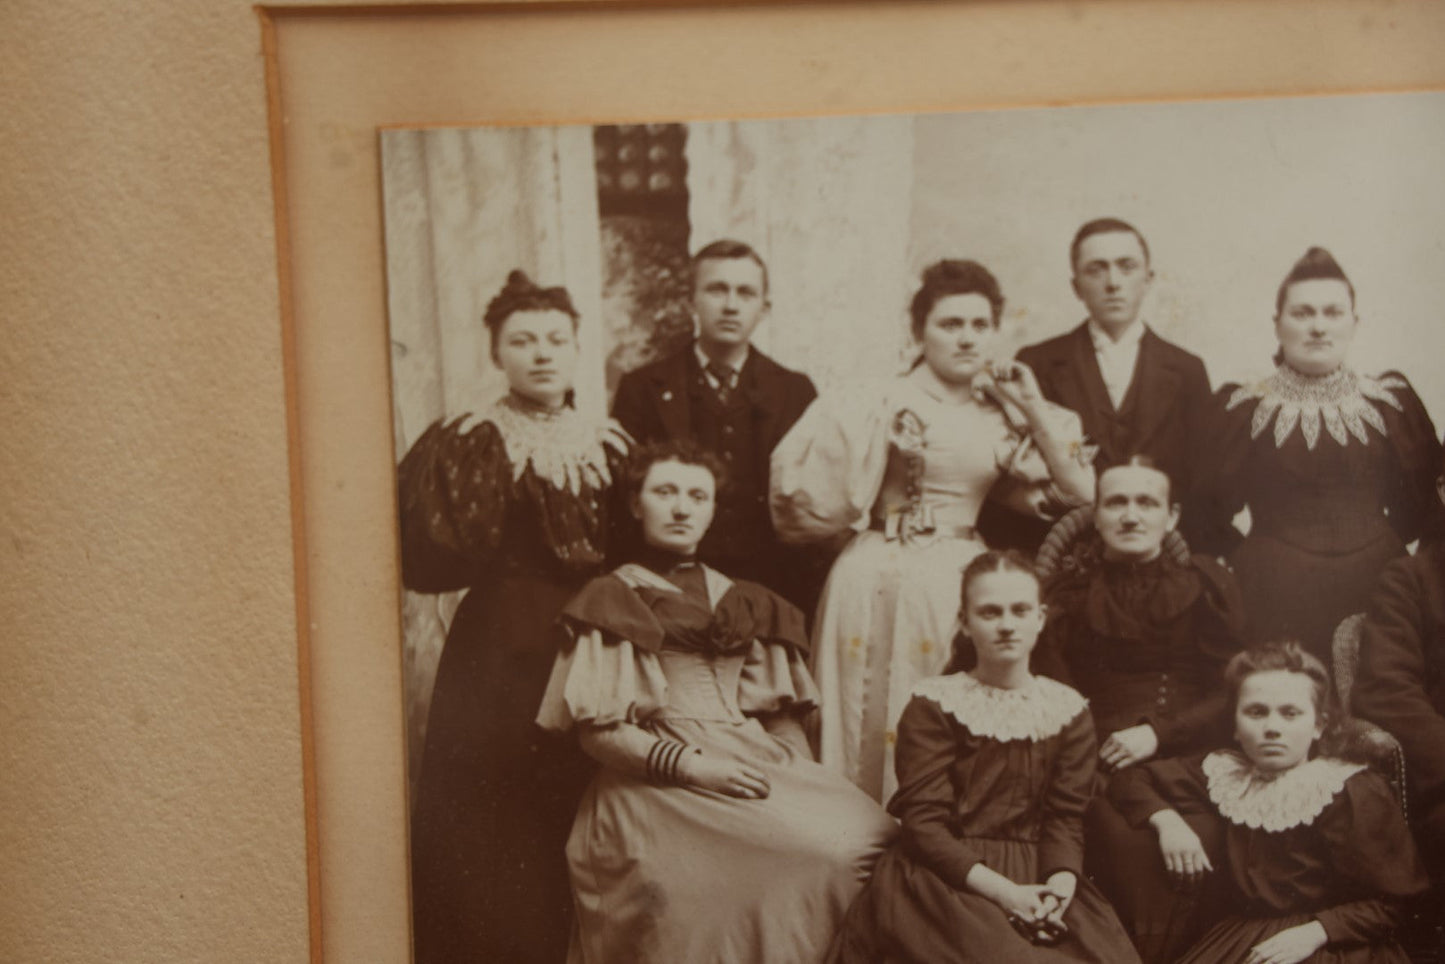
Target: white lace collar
[
  {"x": 1274, "y": 802},
  {"x": 563, "y": 446},
  {"x": 1341, "y": 400},
  {"x": 1035, "y": 711}
]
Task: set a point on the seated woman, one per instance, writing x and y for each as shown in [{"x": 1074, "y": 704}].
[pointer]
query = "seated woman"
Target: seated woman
[
  {"x": 995, "y": 768},
  {"x": 1336, "y": 467},
  {"x": 900, "y": 471},
  {"x": 1145, "y": 637},
  {"x": 1317, "y": 851},
  {"x": 709, "y": 834}
]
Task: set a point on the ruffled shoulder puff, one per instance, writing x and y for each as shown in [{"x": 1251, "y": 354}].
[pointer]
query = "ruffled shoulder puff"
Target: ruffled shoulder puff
[
  {"x": 753, "y": 611},
  {"x": 827, "y": 471},
  {"x": 608, "y": 671},
  {"x": 1272, "y": 802},
  {"x": 1033, "y": 712}
]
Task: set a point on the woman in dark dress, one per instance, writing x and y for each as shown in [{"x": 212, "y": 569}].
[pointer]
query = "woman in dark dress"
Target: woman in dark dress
[
  {"x": 1144, "y": 634},
  {"x": 1317, "y": 852},
  {"x": 512, "y": 505},
  {"x": 995, "y": 769},
  {"x": 1337, "y": 468}
]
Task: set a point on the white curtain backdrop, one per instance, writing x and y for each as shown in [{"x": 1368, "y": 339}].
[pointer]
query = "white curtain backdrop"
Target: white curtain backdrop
[
  {"x": 462, "y": 209},
  {"x": 828, "y": 204}
]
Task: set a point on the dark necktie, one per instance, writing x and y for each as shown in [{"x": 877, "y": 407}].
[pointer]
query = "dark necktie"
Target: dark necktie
[{"x": 723, "y": 375}]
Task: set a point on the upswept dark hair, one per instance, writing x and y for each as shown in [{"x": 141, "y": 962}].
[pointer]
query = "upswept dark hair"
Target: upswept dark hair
[
  {"x": 686, "y": 451},
  {"x": 521, "y": 293},
  {"x": 1103, "y": 226},
  {"x": 1315, "y": 264},
  {"x": 953, "y": 276},
  {"x": 727, "y": 249}
]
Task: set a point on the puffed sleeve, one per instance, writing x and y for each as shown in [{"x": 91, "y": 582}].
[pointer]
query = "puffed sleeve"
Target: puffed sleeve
[
  {"x": 827, "y": 470},
  {"x": 1369, "y": 845},
  {"x": 601, "y": 677},
  {"x": 775, "y": 675},
  {"x": 1061, "y": 827},
  {"x": 1026, "y": 483},
  {"x": 1413, "y": 506},
  {"x": 1219, "y": 486},
  {"x": 924, "y": 803},
  {"x": 453, "y": 490},
  {"x": 1176, "y": 784}
]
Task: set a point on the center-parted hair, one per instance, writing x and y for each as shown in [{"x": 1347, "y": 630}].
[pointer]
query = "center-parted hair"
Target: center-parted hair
[
  {"x": 994, "y": 560},
  {"x": 1316, "y": 264},
  {"x": 520, "y": 293},
  {"x": 1141, "y": 461},
  {"x": 686, "y": 451},
  {"x": 953, "y": 277}
]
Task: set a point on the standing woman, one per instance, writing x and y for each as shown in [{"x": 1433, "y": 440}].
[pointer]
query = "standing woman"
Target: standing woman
[
  {"x": 514, "y": 507},
  {"x": 901, "y": 471},
  {"x": 1337, "y": 468}
]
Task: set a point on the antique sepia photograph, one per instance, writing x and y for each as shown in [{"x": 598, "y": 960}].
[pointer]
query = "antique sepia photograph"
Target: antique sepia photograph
[{"x": 1005, "y": 535}]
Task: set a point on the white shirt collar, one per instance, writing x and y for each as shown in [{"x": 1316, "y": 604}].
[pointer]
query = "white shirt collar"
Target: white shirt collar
[
  {"x": 1131, "y": 338},
  {"x": 704, "y": 361}
]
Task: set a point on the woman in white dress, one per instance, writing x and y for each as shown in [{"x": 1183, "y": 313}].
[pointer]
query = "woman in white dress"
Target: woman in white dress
[{"x": 901, "y": 471}]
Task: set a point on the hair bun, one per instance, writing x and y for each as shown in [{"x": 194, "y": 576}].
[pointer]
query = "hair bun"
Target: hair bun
[{"x": 521, "y": 293}]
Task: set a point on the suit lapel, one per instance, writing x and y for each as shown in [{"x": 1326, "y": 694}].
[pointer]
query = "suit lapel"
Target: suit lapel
[
  {"x": 759, "y": 384},
  {"x": 1086, "y": 368},
  {"x": 1156, "y": 384}
]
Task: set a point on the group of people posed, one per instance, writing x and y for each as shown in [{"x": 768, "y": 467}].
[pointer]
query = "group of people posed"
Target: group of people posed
[{"x": 969, "y": 666}]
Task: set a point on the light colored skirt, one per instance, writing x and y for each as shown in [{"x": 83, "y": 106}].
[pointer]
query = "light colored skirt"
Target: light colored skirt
[
  {"x": 886, "y": 620},
  {"x": 665, "y": 875}
]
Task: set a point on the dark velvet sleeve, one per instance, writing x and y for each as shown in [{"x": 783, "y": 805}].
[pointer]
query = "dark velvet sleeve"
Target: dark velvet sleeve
[
  {"x": 1196, "y": 403},
  {"x": 924, "y": 804},
  {"x": 1219, "y": 489},
  {"x": 1061, "y": 828},
  {"x": 1390, "y": 685},
  {"x": 1413, "y": 507},
  {"x": 1175, "y": 784},
  {"x": 453, "y": 491},
  {"x": 1370, "y": 846},
  {"x": 1218, "y": 627}
]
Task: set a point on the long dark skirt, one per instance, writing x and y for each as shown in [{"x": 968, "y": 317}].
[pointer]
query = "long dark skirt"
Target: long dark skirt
[{"x": 496, "y": 795}]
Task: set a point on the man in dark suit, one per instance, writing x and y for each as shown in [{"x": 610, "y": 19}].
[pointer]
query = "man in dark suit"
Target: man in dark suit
[
  {"x": 737, "y": 403},
  {"x": 1136, "y": 393}
]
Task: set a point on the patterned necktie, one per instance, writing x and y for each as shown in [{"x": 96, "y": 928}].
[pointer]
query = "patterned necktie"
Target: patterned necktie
[{"x": 723, "y": 375}]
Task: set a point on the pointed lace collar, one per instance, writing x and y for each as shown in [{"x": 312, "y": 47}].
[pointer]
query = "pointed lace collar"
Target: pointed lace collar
[
  {"x": 561, "y": 445},
  {"x": 1341, "y": 401},
  {"x": 1274, "y": 802},
  {"x": 1035, "y": 711}
]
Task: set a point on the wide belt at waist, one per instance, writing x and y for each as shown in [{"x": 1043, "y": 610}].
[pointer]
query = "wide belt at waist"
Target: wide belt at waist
[{"x": 936, "y": 532}]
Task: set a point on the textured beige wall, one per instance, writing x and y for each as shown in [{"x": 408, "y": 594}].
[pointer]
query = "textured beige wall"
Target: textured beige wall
[{"x": 151, "y": 787}]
